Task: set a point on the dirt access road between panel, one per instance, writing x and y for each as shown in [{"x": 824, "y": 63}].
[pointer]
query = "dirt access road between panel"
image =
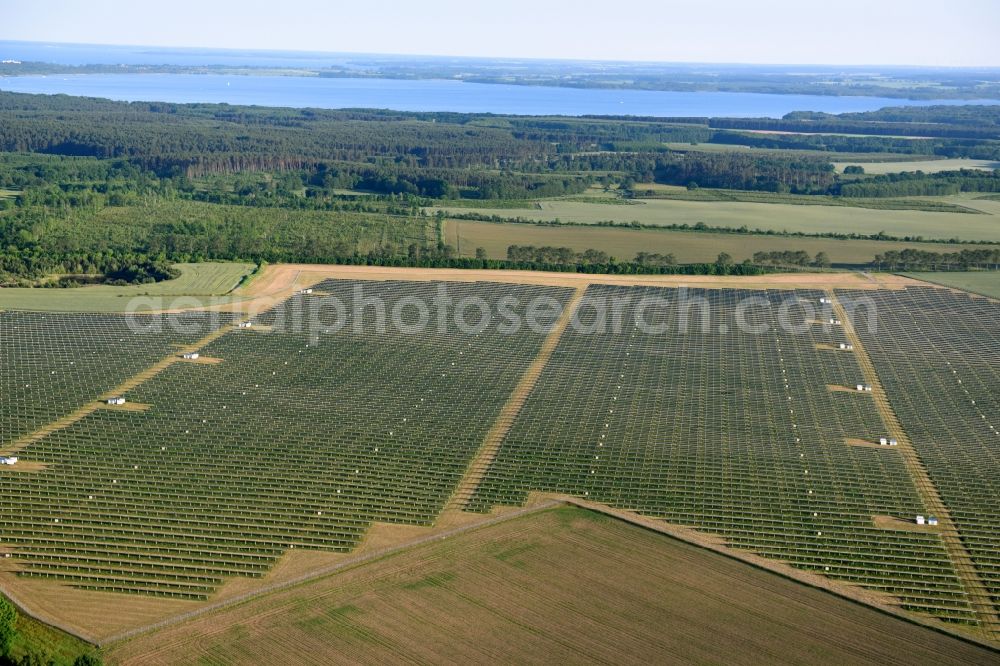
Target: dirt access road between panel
[
  {"x": 505, "y": 420},
  {"x": 978, "y": 595}
]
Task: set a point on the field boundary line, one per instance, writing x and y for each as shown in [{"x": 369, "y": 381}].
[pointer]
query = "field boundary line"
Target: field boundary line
[
  {"x": 487, "y": 452},
  {"x": 977, "y": 594},
  {"x": 363, "y": 559}
]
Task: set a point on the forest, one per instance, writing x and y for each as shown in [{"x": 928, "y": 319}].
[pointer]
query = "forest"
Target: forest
[
  {"x": 122, "y": 190},
  {"x": 477, "y": 156}
]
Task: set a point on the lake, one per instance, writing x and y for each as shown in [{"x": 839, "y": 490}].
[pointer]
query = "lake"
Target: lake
[{"x": 439, "y": 95}]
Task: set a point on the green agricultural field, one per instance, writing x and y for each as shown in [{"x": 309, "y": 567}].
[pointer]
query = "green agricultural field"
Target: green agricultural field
[
  {"x": 778, "y": 217},
  {"x": 978, "y": 282},
  {"x": 927, "y": 166},
  {"x": 686, "y": 246},
  {"x": 207, "y": 284}
]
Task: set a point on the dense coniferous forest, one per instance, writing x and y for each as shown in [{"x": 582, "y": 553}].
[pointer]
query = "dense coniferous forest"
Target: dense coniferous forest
[
  {"x": 920, "y": 184},
  {"x": 122, "y": 190}
]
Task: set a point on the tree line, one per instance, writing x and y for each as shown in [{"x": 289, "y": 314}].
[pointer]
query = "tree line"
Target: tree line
[
  {"x": 915, "y": 259},
  {"x": 917, "y": 183}
]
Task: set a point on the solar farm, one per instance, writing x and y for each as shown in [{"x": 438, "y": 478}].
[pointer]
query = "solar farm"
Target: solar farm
[
  {"x": 735, "y": 433},
  {"x": 785, "y": 428},
  {"x": 941, "y": 370},
  {"x": 281, "y": 445}
]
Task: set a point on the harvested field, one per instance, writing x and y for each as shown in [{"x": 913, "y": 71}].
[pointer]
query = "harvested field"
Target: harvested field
[
  {"x": 646, "y": 192},
  {"x": 857, "y": 158},
  {"x": 278, "y": 282},
  {"x": 927, "y": 166},
  {"x": 565, "y": 586},
  {"x": 777, "y": 217},
  {"x": 686, "y": 246}
]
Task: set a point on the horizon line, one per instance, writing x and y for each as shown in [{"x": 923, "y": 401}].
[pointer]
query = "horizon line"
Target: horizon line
[{"x": 491, "y": 58}]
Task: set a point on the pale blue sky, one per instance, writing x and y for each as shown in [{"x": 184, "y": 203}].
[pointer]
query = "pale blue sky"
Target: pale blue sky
[{"x": 917, "y": 32}]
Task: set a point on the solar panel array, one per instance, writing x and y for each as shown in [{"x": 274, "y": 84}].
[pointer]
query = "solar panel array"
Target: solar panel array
[
  {"x": 734, "y": 432},
  {"x": 937, "y": 353},
  {"x": 51, "y": 364},
  {"x": 286, "y": 436},
  {"x": 292, "y": 441}
]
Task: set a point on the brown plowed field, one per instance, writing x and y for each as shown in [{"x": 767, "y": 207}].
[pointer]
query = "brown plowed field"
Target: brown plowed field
[{"x": 559, "y": 586}]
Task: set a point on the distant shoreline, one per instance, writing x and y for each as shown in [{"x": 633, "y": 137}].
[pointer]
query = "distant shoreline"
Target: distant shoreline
[
  {"x": 891, "y": 82},
  {"x": 270, "y": 88}
]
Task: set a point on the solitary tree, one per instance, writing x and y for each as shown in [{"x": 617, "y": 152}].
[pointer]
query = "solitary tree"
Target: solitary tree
[{"x": 724, "y": 259}]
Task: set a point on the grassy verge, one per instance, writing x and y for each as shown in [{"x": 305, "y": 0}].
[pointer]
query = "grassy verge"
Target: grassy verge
[
  {"x": 247, "y": 279},
  {"x": 50, "y": 644}
]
